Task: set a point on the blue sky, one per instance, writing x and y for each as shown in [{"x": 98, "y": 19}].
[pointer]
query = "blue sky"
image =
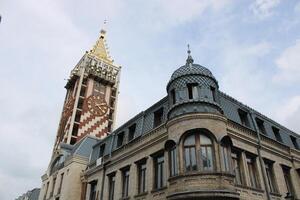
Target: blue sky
[{"x": 252, "y": 47}]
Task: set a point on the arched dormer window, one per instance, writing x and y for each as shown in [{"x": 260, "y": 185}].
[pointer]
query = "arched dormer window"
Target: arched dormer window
[{"x": 198, "y": 152}]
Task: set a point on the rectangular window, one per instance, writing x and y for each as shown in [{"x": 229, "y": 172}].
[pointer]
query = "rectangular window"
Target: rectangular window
[
  {"x": 270, "y": 176},
  {"x": 294, "y": 140},
  {"x": 47, "y": 187},
  {"x": 173, "y": 162},
  {"x": 225, "y": 158},
  {"x": 93, "y": 185},
  {"x": 158, "y": 117},
  {"x": 287, "y": 179},
  {"x": 277, "y": 134},
  {"x": 237, "y": 167},
  {"x": 120, "y": 139},
  {"x": 131, "y": 133},
  {"x": 252, "y": 171},
  {"x": 193, "y": 90},
  {"x": 213, "y": 92},
  {"x": 125, "y": 183},
  {"x": 142, "y": 177},
  {"x": 53, "y": 186},
  {"x": 101, "y": 151},
  {"x": 61, "y": 182},
  {"x": 159, "y": 171},
  {"x": 261, "y": 126},
  {"x": 111, "y": 191},
  {"x": 173, "y": 96},
  {"x": 244, "y": 117},
  {"x": 206, "y": 157}
]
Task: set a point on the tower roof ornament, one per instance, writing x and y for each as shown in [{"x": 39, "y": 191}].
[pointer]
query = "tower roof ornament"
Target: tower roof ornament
[
  {"x": 100, "y": 49},
  {"x": 189, "y": 59}
]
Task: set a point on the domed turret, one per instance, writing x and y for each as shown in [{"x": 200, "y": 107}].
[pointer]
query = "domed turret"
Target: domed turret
[{"x": 192, "y": 89}]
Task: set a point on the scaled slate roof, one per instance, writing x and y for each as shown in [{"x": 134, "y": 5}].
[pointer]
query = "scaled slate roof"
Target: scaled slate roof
[{"x": 230, "y": 106}]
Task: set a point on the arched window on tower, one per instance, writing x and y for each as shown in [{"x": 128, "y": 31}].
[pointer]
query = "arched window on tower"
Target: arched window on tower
[{"x": 198, "y": 152}]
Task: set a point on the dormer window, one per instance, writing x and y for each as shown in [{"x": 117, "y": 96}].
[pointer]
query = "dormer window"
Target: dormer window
[
  {"x": 193, "y": 90},
  {"x": 158, "y": 117},
  {"x": 131, "y": 133},
  {"x": 294, "y": 140},
  {"x": 101, "y": 152},
  {"x": 213, "y": 93},
  {"x": 120, "y": 139},
  {"x": 260, "y": 125},
  {"x": 244, "y": 117},
  {"x": 173, "y": 96},
  {"x": 277, "y": 134}
]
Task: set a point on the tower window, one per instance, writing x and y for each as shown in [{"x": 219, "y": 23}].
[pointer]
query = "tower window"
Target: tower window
[
  {"x": 75, "y": 129},
  {"x": 173, "y": 96},
  {"x": 158, "y": 117},
  {"x": 213, "y": 92},
  {"x": 277, "y": 134},
  {"x": 192, "y": 90},
  {"x": 294, "y": 140},
  {"x": 120, "y": 139},
  {"x": 131, "y": 133},
  {"x": 260, "y": 125},
  {"x": 244, "y": 117},
  {"x": 80, "y": 103},
  {"x": 77, "y": 116}
]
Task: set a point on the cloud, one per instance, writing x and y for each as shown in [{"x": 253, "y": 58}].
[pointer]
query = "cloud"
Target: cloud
[
  {"x": 289, "y": 113},
  {"x": 264, "y": 8},
  {"x": 288, "y": 64}
]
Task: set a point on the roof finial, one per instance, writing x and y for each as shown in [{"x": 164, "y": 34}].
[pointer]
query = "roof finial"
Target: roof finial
[{"x": 189, "y": 60}]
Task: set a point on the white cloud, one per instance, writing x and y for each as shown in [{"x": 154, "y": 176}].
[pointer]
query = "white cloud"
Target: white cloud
[
  {"x": 289, "y": 113},
  {"x": 288, "y": 65},
  {"x": 264, "y": 8}
]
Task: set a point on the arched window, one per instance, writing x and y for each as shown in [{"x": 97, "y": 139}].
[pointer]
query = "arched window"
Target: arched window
[
  {"x": 206, "y": 153},
  {"x": 198, "y": 152},
  {"x": 190, "y": 153}
]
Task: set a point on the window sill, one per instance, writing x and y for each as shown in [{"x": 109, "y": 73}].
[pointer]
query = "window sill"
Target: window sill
[
  {"x": 200, "y": 173},
  {"x": 275, "y": 194},
  {"x": 125, "y": 198},
  {"x": 141, "y": 194},
  {"x": 250, "y": 188},
  {"x": 159, "y": 189}
]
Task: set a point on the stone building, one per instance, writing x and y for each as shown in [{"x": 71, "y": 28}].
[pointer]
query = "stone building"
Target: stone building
[
  {"x": 88, "y": 115},
  {"x": 195, "y": 143}
]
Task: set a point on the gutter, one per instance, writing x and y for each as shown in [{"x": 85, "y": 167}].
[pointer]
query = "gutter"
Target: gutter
[{"x": 260, "y": 157}]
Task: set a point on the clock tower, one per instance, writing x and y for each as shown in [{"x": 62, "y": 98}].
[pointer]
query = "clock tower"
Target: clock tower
[{"x": 92, "y": 90}]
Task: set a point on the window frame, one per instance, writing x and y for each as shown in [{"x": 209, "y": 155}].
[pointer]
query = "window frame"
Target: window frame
[
  {"x": 237, "y": 166},
  {"x": 159, "y": 171},
  {"x": 142, "y": 176},
  {"x": 112, "y": 185},
  {"x": 173, "y": 165},
  {"x": 198, "y": 152},
  {"x": 252, "y": 171},
  {"x": 125, "y": 182}
]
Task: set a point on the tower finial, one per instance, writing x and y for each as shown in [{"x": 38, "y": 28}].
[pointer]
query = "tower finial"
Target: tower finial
[
  {"x": 100, "y": 49},
  {"x": 189, "y": 60}
]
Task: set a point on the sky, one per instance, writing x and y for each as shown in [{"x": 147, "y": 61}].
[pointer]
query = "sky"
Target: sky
[{"x": 252, "y": 47}]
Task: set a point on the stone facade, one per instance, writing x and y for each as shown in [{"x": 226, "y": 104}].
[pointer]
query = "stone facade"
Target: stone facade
[{"x": 246, "y": 160}]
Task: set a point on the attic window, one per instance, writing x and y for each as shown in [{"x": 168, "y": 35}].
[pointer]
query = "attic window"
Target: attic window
[
  {"x": 244, "y": 117},
  {"x": 260, "y": 125},
  {"x": 158, "y": 117},
  {"x": 213, "y": 93},
  {"x": 294, "y": 140},
  {"x": 192, "y": 90},
  {"x": 120, "y": 139},
  {"x": 277, "y": 134},
  {"x": 131, "y": 133},
  {"x": 101, "y": 152},
  {"x": 173, "y": 96}
]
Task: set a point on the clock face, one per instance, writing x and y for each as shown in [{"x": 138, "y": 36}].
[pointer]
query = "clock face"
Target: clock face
[
  {"x": 68, "y": 107},
  {"x": 97, "y": 105}
]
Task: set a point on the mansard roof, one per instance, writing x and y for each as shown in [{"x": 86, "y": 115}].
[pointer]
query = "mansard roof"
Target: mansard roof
[{"x": 230, "y": 106}]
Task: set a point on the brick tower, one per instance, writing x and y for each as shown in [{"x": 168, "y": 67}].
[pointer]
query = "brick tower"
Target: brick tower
[{"x": 90, "y": 102}]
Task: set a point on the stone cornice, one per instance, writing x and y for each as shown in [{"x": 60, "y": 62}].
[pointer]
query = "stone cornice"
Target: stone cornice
[{"x": 213, "y": 116}]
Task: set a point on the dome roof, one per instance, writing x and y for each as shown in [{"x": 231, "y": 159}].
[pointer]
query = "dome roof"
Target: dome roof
[{"x": 191, "y": 69}]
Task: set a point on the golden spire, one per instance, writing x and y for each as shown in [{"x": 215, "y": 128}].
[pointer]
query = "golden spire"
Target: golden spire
[{"x": 100, "y": 49}]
